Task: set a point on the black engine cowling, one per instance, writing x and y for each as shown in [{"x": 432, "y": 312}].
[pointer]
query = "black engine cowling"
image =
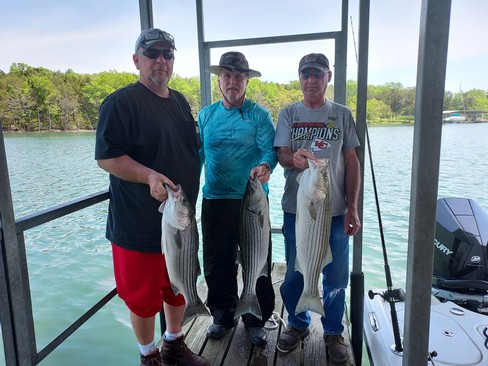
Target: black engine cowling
[{"x": 461, "y": 246}]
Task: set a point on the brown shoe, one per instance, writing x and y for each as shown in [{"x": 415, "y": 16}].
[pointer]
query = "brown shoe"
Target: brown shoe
[
  {"x": 154, "y": 359},
  {"x": 336, "y": 347},
  {"x": 290, "y": 338},
  {"x": 177, "y": 353}
]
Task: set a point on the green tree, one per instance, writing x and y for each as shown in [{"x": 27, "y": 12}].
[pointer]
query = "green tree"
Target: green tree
[
  {"x": 377, "y": 111},
  {"x": 190, "y": 88},
  {"x": 43, "y": 91},
  {"x": 100, "y": 85},
  {"x": 40, "y": 99},
  {"x": 351, "y": 95}
]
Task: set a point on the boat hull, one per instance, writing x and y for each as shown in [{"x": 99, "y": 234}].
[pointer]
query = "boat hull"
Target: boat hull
[{"x": 456, "y": 334}]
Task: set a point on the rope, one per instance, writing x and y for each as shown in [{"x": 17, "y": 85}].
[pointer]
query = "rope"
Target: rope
[{"x": 274, "y": 319}]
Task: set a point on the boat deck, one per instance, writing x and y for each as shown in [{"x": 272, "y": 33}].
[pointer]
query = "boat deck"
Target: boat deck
[{"x": 236, "y": 349}]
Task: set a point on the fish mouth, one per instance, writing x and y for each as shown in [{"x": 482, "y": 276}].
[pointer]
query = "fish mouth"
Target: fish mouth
[{"x": 174, "y": 192}]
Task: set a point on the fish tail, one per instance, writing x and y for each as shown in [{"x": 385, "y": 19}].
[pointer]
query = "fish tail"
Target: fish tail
[
  {"x": 309, "y": 302},
  {"x": 248, "y": 304},
  {"x": 193, "y": 311}
]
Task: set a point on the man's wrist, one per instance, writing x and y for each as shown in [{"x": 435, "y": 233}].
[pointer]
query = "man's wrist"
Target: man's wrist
[{"x": 265, "y": 164}]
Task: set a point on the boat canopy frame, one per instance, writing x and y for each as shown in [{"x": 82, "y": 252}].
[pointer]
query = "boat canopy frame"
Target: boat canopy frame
[{"x": 16, "y": 316}]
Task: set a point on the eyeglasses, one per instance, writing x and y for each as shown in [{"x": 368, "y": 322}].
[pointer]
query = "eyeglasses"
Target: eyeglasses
[
  {"x": 154, "y": 53},
  {"x": 305, "y": 75}
]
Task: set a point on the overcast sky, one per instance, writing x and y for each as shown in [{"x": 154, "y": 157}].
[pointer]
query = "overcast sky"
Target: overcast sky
[{"x": 91, "y": 36}]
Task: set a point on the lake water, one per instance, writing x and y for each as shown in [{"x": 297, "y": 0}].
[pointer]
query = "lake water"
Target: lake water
[{"x": 69, "y": 260}]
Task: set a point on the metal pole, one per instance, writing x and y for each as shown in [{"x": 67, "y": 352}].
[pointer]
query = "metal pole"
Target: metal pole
[
  {"x": 204, "y": 57},
  {"x": 357, "y": 276},
  {"x": 18, "y": 332},
  {"x": 146, "y": 14},
  {"x": 431, "y": 74},
  {"x": 340, "y": 66}
]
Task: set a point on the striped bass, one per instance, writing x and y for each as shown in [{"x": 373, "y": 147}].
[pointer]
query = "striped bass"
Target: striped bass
[
  {"x": 254, "y": 245},
  {"x": 312, "y": 226},
  {"x": 179, "y": 244}
]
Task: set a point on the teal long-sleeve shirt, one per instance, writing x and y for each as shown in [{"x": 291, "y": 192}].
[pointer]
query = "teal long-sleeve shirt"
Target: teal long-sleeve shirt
[{"x": 233, "y": 144}]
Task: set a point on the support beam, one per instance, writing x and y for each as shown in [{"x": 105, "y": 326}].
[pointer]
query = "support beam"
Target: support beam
[
  {"x": 431, "y": 74},
  {"x": 204, "y": 56},
  {"x": 146, "y": 14},
  {"x": 18, "y": 329},
  {"x": 357, "y": 276}
]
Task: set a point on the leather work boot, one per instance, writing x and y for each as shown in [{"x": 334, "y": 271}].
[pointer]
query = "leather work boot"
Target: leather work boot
[
  {"x": 154, "y": 359},
  {"x": 217, "y": 331},
  {"x": 336, "y": 348},
  {"x": 177, "y": 353},
  {"x": 258, "y": 336},
  {"x": 290, "y": 338}
]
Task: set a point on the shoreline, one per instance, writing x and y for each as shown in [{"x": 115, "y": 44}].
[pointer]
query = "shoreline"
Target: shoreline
[
  {"x": 50, "y": 131},
  {"x": 370, "y": 124}
]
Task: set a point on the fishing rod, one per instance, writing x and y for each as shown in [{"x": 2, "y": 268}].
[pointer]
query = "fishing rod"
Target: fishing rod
[{"x": 390, "y": 295}]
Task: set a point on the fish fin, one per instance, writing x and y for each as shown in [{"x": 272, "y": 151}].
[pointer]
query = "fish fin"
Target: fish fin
[
  {"x": 161, "y": 207},
  {"x": 299, "y": 176},
  {"x": 239, "y": 256},
  {"x": 163, "y": 240},
  {"x": 178, "y": 238},
  {"x": 264, "y": 271},
  {"x": 194, "y": 310},
  {"x": 298, "y": 268},
  {"x": 309, "y": 302},
  {"x": 328, "y": 257},
  {"x": 175, "y": 289},
  {"x": 248, "y": 304},
  {"x": 312, "y": 210}
]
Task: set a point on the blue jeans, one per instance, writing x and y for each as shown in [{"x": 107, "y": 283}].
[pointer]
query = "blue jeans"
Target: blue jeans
[{"x": 334, "y": 282}]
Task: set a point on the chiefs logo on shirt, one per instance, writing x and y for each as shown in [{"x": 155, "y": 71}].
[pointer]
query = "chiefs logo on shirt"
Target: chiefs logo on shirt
[{"x": 319, "y": 145}]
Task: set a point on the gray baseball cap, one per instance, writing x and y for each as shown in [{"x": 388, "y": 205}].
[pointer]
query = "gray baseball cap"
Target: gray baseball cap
[
  {"x": 150, "y": 36},
  {"x": 315, "y": 61}
]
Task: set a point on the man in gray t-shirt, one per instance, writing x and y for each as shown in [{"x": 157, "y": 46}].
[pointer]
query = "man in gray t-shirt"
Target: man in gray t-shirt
[{"x": 310, "y": 129}]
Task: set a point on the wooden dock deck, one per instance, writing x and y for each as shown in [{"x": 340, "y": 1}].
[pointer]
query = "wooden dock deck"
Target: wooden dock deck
[{"x": 236, "y": 349}]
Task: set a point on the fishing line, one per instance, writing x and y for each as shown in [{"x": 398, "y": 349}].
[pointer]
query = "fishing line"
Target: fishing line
[{"x": 390, "y": 295}]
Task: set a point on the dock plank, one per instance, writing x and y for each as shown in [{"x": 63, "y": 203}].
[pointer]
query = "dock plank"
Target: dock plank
[{"x": 236, "y": 349}]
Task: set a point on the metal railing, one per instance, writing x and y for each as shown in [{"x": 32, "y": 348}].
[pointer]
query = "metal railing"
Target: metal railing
[{"x": 16, "y": 315}]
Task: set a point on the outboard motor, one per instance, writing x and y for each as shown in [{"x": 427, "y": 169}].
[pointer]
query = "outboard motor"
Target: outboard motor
[{"x": 461, "y": 253}]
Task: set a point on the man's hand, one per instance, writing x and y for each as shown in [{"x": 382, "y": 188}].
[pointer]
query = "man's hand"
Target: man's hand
[{"x": 262, "y": 172}]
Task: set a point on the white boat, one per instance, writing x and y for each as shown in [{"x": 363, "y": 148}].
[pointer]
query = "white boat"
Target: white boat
[{"x": 458, "y": 333}]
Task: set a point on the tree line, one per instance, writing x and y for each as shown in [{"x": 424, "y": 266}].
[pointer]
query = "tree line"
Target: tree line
[{"x": 38, "y": 99}]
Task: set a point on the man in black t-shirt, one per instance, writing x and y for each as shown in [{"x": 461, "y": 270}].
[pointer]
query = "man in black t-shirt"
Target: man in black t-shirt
[{"x": 146, "y": 139}]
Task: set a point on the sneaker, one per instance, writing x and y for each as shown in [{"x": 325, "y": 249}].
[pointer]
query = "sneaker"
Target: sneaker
[
  {"x": 177, "y": 353},
  {"x": 217, "y": 331},
  {"x": 336, "y": 347},
  {"x": 290, "y": 338},
  {"x": 153, "y": 359},
  {"x": 258, "y": 336}
]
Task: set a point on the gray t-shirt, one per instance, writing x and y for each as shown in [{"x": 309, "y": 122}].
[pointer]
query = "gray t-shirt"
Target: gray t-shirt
[{"x": 326, "y": 131}]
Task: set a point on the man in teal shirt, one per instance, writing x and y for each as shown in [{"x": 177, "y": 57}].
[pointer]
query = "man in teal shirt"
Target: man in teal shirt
[{"x": 237, "y": 142}]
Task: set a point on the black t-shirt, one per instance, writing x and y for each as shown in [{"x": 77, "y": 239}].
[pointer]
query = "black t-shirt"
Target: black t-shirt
[{"x": 159, "y": 133}]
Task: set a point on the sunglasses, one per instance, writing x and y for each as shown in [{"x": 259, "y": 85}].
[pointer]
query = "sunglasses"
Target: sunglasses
[
  {"x": 315, "y": 74},
  {"x": 154, "y": 54},
  {"x": 151, "y": 36}
]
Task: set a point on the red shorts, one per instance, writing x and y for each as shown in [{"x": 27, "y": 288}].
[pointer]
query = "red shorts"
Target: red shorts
[{"x": 142, "y": 281}]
